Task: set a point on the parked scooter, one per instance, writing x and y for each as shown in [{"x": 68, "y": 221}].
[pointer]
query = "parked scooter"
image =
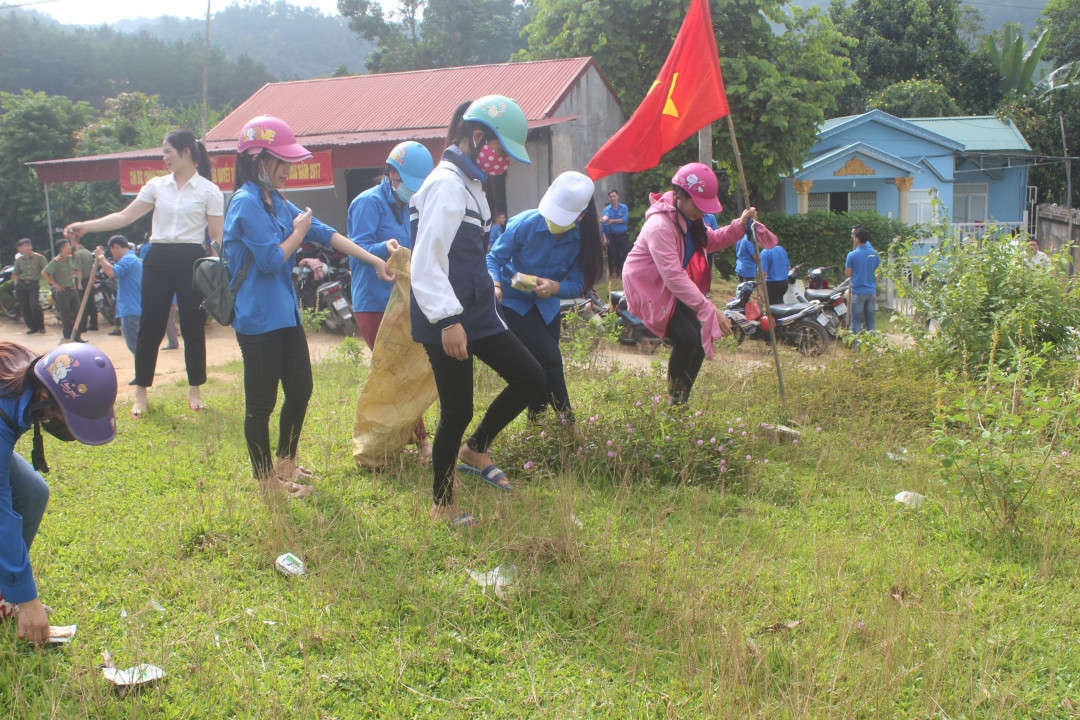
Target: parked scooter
[
  {"x": 105, "y": 296},
  {"x": 588, "y": 308},
  {"x": 323, "y": 283},
  {"x": 833, "y": 300},
  {"x": 9, "y": 305},
  {"x": 632, "y": 330},
  {"x": 804, "y": 326}
]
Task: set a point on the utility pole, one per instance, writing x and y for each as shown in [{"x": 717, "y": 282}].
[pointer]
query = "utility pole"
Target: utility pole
[{"x": 205, "y": 73}]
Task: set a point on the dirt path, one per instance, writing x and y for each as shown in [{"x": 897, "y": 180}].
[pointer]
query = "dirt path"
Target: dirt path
[{"x": 221, "y": 348}]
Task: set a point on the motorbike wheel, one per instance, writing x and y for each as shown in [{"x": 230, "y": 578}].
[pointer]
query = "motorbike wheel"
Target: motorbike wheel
[
  {"x": 627, "y": 335},
  {"x": 808, "y": 337},
  {"x": 9, "y": 306}
]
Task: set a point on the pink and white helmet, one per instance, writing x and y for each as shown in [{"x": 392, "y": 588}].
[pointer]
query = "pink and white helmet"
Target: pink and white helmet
[
  {"x": 700, "y": 183},
  {"x": 274, "y": 135}
]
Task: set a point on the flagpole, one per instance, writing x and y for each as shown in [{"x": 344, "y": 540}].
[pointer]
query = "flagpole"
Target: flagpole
[{"x": 757, "y": 258}]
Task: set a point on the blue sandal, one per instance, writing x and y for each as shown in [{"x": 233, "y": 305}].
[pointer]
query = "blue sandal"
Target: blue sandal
[{"x": 492, "y": 475}]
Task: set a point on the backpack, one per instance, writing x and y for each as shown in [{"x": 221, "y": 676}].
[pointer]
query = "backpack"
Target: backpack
[{"x": 210, "y": 279}]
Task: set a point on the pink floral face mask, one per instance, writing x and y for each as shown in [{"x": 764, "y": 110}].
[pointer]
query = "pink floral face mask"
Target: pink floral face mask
[{"x": 492, "y": 162}]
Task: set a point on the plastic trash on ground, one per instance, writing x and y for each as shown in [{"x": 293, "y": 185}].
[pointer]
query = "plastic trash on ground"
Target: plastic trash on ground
[
  {"x": 400, "y": 385},
  {"x": 899, "y": 456},
  {"x": 911, "y": 499},
  {"x": 289, "y": 564},
  {"x": 499, "y": 578},
  {"x": 133, "y": 676},
  {"x": 61, "y": 634}
]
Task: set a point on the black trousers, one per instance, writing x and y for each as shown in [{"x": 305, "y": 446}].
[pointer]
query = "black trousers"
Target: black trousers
[
  {"x": 777, "y": 289},
  {"x": 29, "y": 296},
  {"x": 507, "y": 356},
  {"x": 167, "y": 271},
  {"x": 67, "y": 304},
  {"x": 542, "y": 340},
  {"x": 273, "y": 358},
  {"x": 618, "y": 249},
  {"x": 687, "y": 354}
]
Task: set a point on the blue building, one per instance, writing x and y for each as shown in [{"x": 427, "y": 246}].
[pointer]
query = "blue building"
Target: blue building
[{"x": 969, "y": 171}]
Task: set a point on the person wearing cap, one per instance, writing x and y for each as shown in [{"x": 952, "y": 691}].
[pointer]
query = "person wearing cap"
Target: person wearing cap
[
  {"x": 559, "y": 244},
  {"x": 27, "y": 278},
  {"x": 665, "y": 275},
  {"x": 453, "y": 309},
  {"x": 126, "y": 267},
  {"x": 60, "y": 274},
  {"x": 70, "y": 393},
  {"x": 262, "y": 233},
  {"x": 379, "y": 221},
  {"x": 187, "y": 205}
]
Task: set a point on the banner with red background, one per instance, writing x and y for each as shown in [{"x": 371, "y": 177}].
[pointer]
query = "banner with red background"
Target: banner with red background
[{"x": 317, "y": 172}]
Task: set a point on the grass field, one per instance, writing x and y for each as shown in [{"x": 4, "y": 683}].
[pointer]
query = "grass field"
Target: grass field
[{"x": 682, "y": 565}]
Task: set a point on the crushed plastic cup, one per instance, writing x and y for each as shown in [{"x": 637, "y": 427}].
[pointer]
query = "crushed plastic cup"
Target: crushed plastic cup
[
  {"x": 61, "y": 634},
  {"x": 499, "y": 578},
  {"x": 911, "y": 499},
  {"x": 133, "y": 676},
  {"x": 289, "y": 564}
]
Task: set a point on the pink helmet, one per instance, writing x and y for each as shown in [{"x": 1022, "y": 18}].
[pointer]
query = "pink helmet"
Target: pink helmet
[
  {"x": 273, "y": 135},
  {"x": 699, "y": 181}
]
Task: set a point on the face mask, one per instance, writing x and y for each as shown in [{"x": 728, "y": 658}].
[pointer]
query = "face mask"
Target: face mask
[
  {"x": 403, "y": 193},
  {"x": 491, "y": 162},
  {"x": 558, "y": 229}
]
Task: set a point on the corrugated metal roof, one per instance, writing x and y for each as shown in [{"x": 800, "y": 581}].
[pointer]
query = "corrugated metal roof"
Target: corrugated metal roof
[
  {"x": 978, "y": 132},
  {"x": 404, "y": 101}
]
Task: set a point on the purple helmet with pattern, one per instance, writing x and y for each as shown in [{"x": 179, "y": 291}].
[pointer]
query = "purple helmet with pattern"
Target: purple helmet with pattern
[{"x": 82, "y": 381}]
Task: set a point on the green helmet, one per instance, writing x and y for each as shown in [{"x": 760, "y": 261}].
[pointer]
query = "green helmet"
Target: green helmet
[{"x": 503, "y": 117}]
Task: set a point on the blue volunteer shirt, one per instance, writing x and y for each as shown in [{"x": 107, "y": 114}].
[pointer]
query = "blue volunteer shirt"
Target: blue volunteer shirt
[
  {"x": 744, "y": 258},
  {"x": 527, "y": 246},
  {"x": 617, "y": 217},
  {"x": 266, "y": 300},
  {"x": 128, "y": 271},
  {"x": 16, "y": 576},
  {"x": 774, "y": 262},
  {"x": 375, "y": 216},
  {"x": 863, "y": 262}
]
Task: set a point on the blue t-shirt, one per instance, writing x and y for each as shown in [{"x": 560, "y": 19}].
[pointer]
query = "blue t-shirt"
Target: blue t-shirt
[
  {"x": 774, "y": 262},
  {"x": 16, "y": 576},
  {"x": 375, "y": 216},
  {"x": 527, "y": 246},
  {"x": 266, "y": 300},
  {"x": 128, "y": 271},
  {"x": 863, "y": 262},
  {"x": 617, "y": 217},
  {"x": 745, "y": 267}
]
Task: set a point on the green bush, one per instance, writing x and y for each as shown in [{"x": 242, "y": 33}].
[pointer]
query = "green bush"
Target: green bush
[
  {"x": 824, "y": 238},
  {"x": 972, "y": 301}
]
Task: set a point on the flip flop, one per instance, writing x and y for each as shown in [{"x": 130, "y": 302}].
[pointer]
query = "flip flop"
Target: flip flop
[{"x": 492, "y": 475}]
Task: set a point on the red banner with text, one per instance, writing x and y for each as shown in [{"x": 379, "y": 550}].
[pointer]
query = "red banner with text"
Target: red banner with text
[{"x": 316, "y": 172}]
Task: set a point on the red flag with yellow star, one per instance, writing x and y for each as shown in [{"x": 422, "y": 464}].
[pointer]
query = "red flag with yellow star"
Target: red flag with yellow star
[{"x": 688, "y": 95}]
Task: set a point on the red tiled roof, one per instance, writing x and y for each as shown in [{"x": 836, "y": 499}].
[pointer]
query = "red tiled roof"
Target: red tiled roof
[{"x": 392, "y": 102}]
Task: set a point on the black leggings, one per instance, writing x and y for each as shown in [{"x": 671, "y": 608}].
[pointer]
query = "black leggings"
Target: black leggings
[
  {"x": 279, "y": 356},
  {"x": 542, "y": 340},
  {"x": 507, "y": 356},
  {"x": 167, "y": 271},
  {"x": 687, "y": 354}
]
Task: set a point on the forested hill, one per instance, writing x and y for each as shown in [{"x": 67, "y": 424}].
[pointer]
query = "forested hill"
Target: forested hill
[
  {"x": 250, "y": 46},
  {"x": 994, "y": 13},
  {"x": 292, "y": 42}
]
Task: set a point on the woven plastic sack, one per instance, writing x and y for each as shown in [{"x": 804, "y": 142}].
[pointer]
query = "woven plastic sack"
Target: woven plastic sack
[{"x": 400, "y": 385}]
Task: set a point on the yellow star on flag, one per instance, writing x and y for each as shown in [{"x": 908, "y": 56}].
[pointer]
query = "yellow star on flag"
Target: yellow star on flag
[{"x": 669, "y": 106}]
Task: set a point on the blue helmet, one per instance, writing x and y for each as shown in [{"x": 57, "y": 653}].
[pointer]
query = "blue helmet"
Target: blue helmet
[{"x": 412, "y": 161}]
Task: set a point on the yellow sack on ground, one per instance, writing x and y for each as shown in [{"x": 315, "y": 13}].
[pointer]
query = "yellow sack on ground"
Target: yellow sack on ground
[{"x": 400, "y": 385}]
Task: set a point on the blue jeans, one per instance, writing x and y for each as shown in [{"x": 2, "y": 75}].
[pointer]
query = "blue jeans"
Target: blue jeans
[
  {"x": 29, "y": 496},
  {"x": 863, "y": 306},
  {"x": 129, "y": 326}
]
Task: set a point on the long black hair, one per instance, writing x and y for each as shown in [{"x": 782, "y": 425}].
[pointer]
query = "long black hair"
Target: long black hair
[
  {"x": 461, "y": 129},
  {"x": 591, "y": 256},
  {"x": 698, "y": 231},
  {"x": 186, "y": 140},
  {"x": 247, "y": 169}
]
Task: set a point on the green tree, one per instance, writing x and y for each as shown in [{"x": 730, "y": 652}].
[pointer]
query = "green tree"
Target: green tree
[
  {"x": 1062, "y": 18},
  {"x": 1015, "y": 62},
  {"x": 780, "y": 85},
  {"x": 33, "y": 126},
  {"x": 902, "y": 40},
  {"x": 1039, "y": 118},
  {"x": 915, "y": 98},
  {"x": 436, "y": 33}
]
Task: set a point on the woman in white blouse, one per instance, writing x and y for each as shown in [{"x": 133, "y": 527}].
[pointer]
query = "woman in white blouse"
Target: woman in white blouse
[{"x": 187, "y": 207}]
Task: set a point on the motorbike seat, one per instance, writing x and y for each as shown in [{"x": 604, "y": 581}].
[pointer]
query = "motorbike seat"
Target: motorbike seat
[
  {"x": 782, "y": 311},
  {"x": 819, "y": 294}
]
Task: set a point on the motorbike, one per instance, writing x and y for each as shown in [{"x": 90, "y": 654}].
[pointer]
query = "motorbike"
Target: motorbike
[
  {"x": 632, "y": 330},
  {"x": 323, "y": 282},
  {"x": 588, "y": 308},
  {"x": 804, "y": 326},
  {"x": 104, "y": 290},
  {"x": 9, "y": 304},
  {"x": 833, "y": 300}
]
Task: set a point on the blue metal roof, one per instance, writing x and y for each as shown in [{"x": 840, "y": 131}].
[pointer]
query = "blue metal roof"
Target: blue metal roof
[{"x": 985, "y": 133}]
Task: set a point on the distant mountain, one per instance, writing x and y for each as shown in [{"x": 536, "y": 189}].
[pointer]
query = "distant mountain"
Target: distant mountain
[
  {"x": 994, "y": 13},
  {"x": 290, "y": 41}
]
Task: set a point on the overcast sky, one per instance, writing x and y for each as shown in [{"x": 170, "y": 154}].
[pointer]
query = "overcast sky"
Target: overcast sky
[{"x": 97, "y": 12}]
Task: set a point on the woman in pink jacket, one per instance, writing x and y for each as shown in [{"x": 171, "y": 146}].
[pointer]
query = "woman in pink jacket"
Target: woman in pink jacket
[{"x": 667, "y": 271}]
